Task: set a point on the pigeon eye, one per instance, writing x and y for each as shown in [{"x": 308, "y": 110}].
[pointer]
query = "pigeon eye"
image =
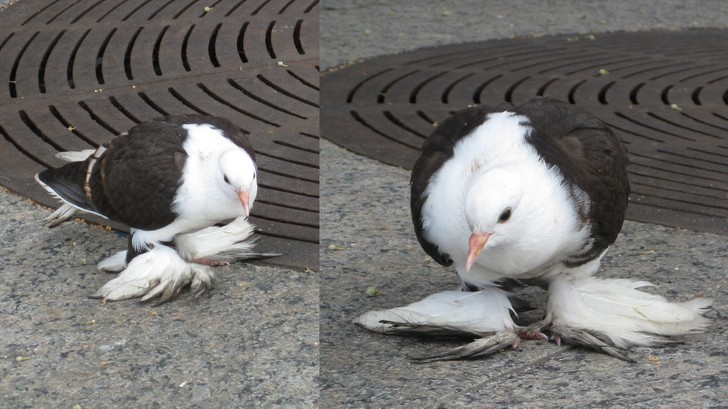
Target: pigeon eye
[
  {"x": 225, "y": 178},
  {"x": 505, "y": 215}
]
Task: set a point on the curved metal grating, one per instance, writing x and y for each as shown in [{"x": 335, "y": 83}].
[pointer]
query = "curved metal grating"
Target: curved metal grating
[
  {"x": 78, "y": 72},
  {"x": 665, "y": 92}
]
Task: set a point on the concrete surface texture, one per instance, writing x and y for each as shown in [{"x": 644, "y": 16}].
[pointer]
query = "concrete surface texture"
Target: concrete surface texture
[
  {"x": 250, "y": 342},
  {"x": 367, "y": 241}
]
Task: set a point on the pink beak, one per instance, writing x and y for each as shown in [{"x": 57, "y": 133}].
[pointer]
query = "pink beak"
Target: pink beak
[
  {"x": 244, "y": 197},
  {"x": 477, "y": 243}
]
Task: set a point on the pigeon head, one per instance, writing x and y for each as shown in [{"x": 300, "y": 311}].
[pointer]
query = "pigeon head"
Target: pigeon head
[
  {"x": 239, "y": 177},
  {"x": 492, "y": 211}
]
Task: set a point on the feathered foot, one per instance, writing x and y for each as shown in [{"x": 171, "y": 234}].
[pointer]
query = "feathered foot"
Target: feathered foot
[
  {"x": 63, "y": 213},
  {"x": 611, "y": 315},
  {"x": 214, "y": 246},
  {"x": 485, "y": 314},
  {"x": 220, "y": 245},
  {"x": 447, "y": 313},
  {"x": 113, "y": 264},
  {"x": 161, "y": 273}
]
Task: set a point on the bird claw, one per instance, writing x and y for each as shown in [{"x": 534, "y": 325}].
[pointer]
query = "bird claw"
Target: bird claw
[
  {"x": 531, "y": 332},
  {"x": 478, "y": 348}
]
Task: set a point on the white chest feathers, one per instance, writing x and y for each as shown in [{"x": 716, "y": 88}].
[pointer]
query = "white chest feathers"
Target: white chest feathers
[{"x": 496, "y": 183}]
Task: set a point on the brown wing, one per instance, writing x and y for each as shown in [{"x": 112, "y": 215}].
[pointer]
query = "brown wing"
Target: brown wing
[
  {"x": 136, "y": 179},
  {"x": 589, "y": 155}
]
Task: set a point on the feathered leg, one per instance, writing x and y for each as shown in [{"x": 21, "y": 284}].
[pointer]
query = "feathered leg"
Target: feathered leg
[
  {"x": 160, "y": 272},
  {"x": 612, "y": 315},
  {"x": 163, "y": 271},
  {"x": 113, "y": 264},
  {"x": 485, "y": 314},
  {"x": 220, "y": 245},
  {"x": 63, "y": 213}
]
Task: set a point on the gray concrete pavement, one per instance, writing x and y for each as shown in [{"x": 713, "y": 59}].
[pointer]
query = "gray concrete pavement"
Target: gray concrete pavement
[{"x": 365, "y": 215}]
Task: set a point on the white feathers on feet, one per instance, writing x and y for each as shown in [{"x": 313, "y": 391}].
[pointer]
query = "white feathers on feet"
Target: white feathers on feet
[
  {"x": 477, "y": 313},
  {"x": 616, "y": 312},
  {"x": 160, "y": 272},
  {"x": 113, "y": 264},
  {"x": 485, "y": 314},
  {"x": 219, "y": 244},
  {"x": 213, "y": 246},
  {"x": 534, "y": 192}
]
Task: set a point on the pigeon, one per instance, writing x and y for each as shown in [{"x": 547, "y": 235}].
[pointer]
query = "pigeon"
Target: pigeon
[
  {"x": 173, "y": 181},
  {"x": 532, "y": 194}
]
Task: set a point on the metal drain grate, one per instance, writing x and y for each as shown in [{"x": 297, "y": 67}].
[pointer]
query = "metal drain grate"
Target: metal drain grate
[
  {"x": 666, "y": 92},
  {"x": 78, "y": 72}
]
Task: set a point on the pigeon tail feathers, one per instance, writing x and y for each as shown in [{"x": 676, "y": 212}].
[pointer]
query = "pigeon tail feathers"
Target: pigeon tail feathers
[
  {"x": 66, "y": 184},
  {"x": 67, "y": 188}
]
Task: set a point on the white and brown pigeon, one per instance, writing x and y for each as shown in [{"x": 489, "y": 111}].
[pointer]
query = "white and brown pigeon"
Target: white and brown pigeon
[
  {"x": 537, "y": 193},
  {"x": 171, "y": 180}
]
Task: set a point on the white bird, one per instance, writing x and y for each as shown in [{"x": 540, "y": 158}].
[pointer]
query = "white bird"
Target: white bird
[
  {"x": 168, "y": 179},
  {"x": 535, "y": 192}
]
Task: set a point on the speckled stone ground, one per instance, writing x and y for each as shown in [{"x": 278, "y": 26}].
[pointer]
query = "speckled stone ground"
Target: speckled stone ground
[{"x": 365, "y": 215}]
